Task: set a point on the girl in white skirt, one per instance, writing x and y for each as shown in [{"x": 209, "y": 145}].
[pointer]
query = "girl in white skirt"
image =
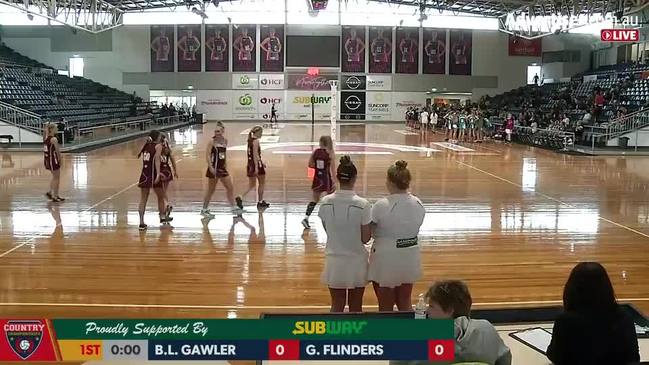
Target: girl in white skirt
[
  {"x": 346, "y": 218},
  {"x": 395, "y": 258}
]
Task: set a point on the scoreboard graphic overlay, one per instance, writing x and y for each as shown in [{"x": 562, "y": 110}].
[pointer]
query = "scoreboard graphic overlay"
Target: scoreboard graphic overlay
[{"x": 225, "y": 339}]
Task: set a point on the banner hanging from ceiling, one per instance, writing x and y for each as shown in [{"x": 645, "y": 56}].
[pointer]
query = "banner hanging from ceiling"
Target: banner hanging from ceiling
[
  {"x": 461, "y": 54},
  {"x": 272, "y": 48},
  {"x": 244, "y": 56},
  {"x": 407, "y": 50},
  {"x": 380, "y": 50},
  {"x": 525, "y": 47},
  {"x": 353, "y": 49},
  {"x": 217, "y": 57},
  {"x": 162, "y": 48},
  {"x": 189, "y": 48},
  {"x": 434, "y": 51}
]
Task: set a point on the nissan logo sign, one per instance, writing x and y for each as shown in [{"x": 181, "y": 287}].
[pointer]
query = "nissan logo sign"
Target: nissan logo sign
[
  {"x": 353, "y": 102},
  {"x": 353, "y": 82}
]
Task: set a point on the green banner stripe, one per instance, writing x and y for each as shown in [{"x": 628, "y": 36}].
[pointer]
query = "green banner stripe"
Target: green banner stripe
[{"x": 252, "y": 329}]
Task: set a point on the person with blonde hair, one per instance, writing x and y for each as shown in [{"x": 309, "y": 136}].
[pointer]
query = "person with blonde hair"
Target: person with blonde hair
[
  {"x": 255, "y": 169},
  {"x": 321, "y": 162},
  {"x": 53, "y": 161},
  {"x": 346, "y": 218},
  {"x": 395, "y": 258}
]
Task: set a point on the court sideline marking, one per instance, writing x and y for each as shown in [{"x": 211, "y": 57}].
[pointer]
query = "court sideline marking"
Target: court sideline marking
[
  {"x": 33, "y": 238},
  {"x": 243, "y": 307},
  {"x": 551, "y": 198}
]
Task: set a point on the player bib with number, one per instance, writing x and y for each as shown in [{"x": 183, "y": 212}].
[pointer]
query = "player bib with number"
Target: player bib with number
[{"x": 320, "y": 164}]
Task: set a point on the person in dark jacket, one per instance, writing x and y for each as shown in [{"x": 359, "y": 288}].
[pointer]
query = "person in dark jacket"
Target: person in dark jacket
[{"x": 593, "y": 329}]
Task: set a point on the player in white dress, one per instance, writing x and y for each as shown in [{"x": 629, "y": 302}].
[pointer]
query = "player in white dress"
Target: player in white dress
[
  {"x": 395, "y": 258},
  {"x": 346, "y": 217}
]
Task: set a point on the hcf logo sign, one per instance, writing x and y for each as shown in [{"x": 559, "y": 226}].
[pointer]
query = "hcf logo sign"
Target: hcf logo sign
[{"x": 620, "y": 35}]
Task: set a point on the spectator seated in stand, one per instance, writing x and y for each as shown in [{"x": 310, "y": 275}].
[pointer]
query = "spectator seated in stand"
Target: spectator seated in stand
[{"x": 593, "y": 329}]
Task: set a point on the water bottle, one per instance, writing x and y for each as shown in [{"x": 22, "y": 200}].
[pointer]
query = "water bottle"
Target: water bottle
[{"x": 420, "y": 308}]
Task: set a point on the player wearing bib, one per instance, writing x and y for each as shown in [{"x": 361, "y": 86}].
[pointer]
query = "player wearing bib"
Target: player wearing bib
[
  {"x": 408, "y": 48},
  {"x": 255, "y": 169},
  {"x": 217, "y": 46},
  {"x": 354, "y": 47},
  {"x": 395, "y": 258},
  {"x": 167, "y": 171},
  {"x": 460, "y": 51},
  {"x": 161, "y": 46},
  {"x": 435, "y": 49},
  {"x": 52, "y": 161},
  {"x": 189, "y": 45},
  {"x": 381, "y": 49},
  {"x": 347, "y": 218},
  {"x": 150, "y": 177},
  {"x": 217, "y": 171},
  {"x": 244, "y": 46},
  {"x": 321, "y": 161},
  {"x": 462, "y": 124},
  {"x": 272, "y": 46}
]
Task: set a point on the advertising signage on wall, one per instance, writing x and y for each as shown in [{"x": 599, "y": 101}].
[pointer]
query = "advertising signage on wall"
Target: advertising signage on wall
[
  {"x": 271, "y": 81},
  {"x": 244, "y": 104},
  {"x": 308, "y": 82},
  {"x": 525, "y": 47},
  {"x": 272, "y": 48},
  {"x": 216, "y": 48},
  {"x": 352, "y": 105},
  {"x": 245, "y": 81},
  {"x": 244, "y": 56},
  {"x": 353, "y": 82},
  {"x": 382, "y": 83},
  {"x": 216, "y": 104},
  {"x": 379, "y": 105},
  {"x": 162, "y": 48},
  {"x": 189, "y": 48},
  {"x": 266, "y": 101},
  {"x": 298, "y": 104}
]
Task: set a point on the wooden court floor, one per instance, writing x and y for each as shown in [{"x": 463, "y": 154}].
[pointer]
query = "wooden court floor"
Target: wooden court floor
[{"x": 511, "y": 220}]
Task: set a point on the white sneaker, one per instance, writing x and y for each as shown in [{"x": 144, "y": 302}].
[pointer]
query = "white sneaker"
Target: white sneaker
[{"x": 206, "y": 214}]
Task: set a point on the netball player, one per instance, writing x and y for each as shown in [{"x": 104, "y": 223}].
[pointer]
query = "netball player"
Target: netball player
[
  {"x": 321, "y": 161},
  {"x": 256, "y": 169},
  {"x": 189, "y": 44},
  {"x": 435, "y": 49},
  {"x": 150, "y": 177},
  {"x": 244, "y": 46},
  {"x": 354, "y": 47},
  {"x": 381, "y": 49},
  {"x": 161, "y": 46},
  {"x": 395, "y": 259},
  {"x": 167, "y": 171},
  {"x": 462, "y": 124},
  {"x": 272, "y": 46},
  {"x": 52, "y": 160},
  {"x": 217, "y": 170},
  {"x": 346, "y": 217},
  {"x": 408, "y": 48},
  {"x": 217, "y": 46},
  {"x": 460, "y": 51}
]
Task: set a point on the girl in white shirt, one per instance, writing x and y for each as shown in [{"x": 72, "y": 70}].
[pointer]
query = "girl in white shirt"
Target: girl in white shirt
[
  {"x": 346, "y": 218},
  {"x": 395, "y": 258}
]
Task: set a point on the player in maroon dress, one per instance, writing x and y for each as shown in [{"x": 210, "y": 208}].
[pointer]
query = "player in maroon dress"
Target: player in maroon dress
[
  {"x": 167, "y": 171},
  {"x": 150, "y": 177},
  {"x": 255, "y": 169},
  {"x": 52, "y": 160},
  {"x": 217, "y": 170},
  {"x": 321, "y": 161}
]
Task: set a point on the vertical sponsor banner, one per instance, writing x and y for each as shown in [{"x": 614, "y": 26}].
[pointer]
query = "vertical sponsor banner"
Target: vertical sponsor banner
[
  {"x": 215, "y": 104},
  {"x": 407, "y": 50},
  {"x": 298, "y": 104},
  {"x": 189, "y": 48},
  {"x": 434, "y": 51},
  {"x": 379, "y": 105},
  {"x": 245, "y": 104},
  {"x": 244, "y": 55},
  {"x": 460, "y": 55},
  {"x": 380, "y": 83},
  {"x": 353, "y": 82},
  {"x": 26, "y": 340},
  {"x": 216, "y": 48},
  {"x": 271, "y": 81},
  {"x": 381, "y": 50},
  {"x": 162, "y": 48},
  {"x": 272, "y": 48},
  {"x": 352, "y": 105},
  {"x": 266, "y": 100},
  {"x": 525, "y": 47},
  {"x": 353, "y": 49}
]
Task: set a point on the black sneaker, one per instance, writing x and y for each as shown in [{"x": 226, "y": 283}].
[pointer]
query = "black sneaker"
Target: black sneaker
[
  {"x": 264, "y": 204},
  {"x": 49, "y": 196},
  {"x": 166, "y": 220},
  {"x": 239, "y": 202},
  {"x": 168, "y": 211},
  {"x": 142, "y": 227},
  {"x": 305, "y": 223}
]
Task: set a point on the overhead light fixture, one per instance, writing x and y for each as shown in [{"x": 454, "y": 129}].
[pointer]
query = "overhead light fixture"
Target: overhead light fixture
[{"x": 190, "y": 87}]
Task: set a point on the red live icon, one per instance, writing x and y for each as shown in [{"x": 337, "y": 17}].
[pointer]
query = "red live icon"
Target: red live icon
[{"x": 620, "y": 35}]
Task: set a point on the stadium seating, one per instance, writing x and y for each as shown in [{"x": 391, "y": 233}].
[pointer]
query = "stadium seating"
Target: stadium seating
[{"x": 30, "y": 85}]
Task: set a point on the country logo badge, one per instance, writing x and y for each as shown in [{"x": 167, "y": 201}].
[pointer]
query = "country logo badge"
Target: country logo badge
[{"x": 24, "y": 336}]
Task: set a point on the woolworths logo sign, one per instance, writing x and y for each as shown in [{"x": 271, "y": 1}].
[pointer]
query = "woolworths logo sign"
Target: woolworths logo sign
[
  {"x": 244, "y": 80},
  {"x": 245, "y": 100}
]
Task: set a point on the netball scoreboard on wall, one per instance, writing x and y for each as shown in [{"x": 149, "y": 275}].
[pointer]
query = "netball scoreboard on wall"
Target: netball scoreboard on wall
[{"x": 226, "y": 339}]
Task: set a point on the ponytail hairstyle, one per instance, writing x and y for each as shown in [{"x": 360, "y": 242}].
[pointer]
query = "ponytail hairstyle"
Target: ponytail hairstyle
[
  {"x": 50, "y": 129},
  {"x": 327, "y": 143},
  {"x": 346, "y": 172},
  {"x": 399, "y": 175},
  {"x": 255, "y": 130}
]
